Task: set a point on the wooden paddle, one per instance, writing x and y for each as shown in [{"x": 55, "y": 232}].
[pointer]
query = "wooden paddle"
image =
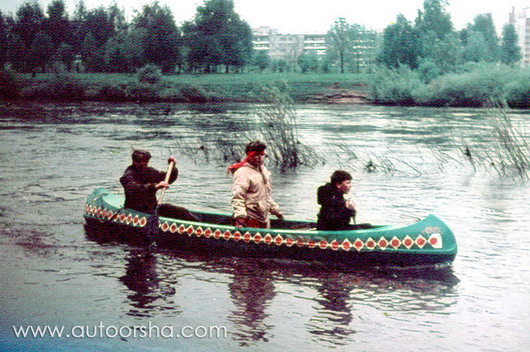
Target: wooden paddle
[{"x": 151, "y": 228}]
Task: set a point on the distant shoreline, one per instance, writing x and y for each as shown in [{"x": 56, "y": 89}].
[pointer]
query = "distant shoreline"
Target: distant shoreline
[{"x": 347, "y": 89}]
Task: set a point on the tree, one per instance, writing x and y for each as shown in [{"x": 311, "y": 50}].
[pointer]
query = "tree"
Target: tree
[
  {"x": 432, "y": 26},
  {"x": 133, "y": 48},
  {"x": 100, "y": 23},
  {"x": 162, "y": 37},
  {"x": 41, "y": 51},
  {"x": 364, "y": 43},
  {"x": 340, "y": 43},
  {"x": 218, "y": 36},
  {"x": 66, "y": 55},
  {"x": 434, "y": 19},
  {"x": 475, "y": 49},
  {"x": 4, "y": 43},
  {"x": 261, "y": 60},
  {"x": 308, "y": 61},
  {"x": 29, "y": 21},
  {"x": 484, "y": 26},
  {"x": 400, "y": 45},
  {"x": 57, "y": 26},
  {"x": 92, "y": 54},
  {"x": 510, "y": 52}
]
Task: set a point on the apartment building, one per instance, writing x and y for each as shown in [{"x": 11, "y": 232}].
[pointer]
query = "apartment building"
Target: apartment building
[
  {"x": 287, "y": 46},
  {"x": 521, "y": 22}
]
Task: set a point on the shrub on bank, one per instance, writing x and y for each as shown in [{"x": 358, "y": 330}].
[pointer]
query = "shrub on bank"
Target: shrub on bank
[
  {"x": 518, "y": 91},
  {"x": 395, "y": 86},
  {"x": 60, "y": 87},
  {"x": 193, "y": 94},
  {"x": 475, "y": 85},
  {"x": 9, "y": 85},
  {"x": 149, "y": 74},
  {"x": 471, "y": 89},
  {"x": 110, "y": 92}
]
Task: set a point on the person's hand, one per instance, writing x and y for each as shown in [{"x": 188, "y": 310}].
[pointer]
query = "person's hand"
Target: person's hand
[
  {"x": 279, "y": 215},
  {"x": 162, "y": 184},
  {"x": 350, "y": 205},
  {"x": 241, "y": 222},
  {"x": 172, "y": 159}
]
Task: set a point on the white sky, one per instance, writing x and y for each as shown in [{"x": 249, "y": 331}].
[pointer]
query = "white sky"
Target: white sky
[{"x": 312, "y": 16}]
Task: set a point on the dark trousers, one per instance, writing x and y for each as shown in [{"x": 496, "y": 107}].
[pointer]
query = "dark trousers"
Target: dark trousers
[{"x": 176, "y": 212}]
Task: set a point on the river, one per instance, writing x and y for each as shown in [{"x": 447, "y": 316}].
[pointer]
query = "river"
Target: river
[{"x": 109, "y": 296}]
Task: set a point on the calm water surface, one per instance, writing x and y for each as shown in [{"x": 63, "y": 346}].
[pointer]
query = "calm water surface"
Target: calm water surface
[{"x": 54, "y": 274}]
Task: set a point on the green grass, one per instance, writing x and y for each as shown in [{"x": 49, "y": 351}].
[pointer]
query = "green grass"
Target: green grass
[{"x": 230, "y": 87}]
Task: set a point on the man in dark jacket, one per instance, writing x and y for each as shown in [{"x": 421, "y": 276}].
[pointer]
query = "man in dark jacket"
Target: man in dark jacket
[
  {"x": 335, "y": 212},
  {"x": 141, "y": 182}
]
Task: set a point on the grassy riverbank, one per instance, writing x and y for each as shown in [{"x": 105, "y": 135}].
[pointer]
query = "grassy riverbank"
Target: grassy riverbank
[
  {"x": 476, "y": 85},
  {"x": 189, "y": 88}
]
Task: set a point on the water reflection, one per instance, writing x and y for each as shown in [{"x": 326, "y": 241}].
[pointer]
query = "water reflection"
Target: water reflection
[
  {"x": 338, "y": 295},
  {"x": 150, "y": 287}
]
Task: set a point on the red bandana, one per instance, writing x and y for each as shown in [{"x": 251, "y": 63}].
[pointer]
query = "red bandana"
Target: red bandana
[{"x": 233, "y": 168}]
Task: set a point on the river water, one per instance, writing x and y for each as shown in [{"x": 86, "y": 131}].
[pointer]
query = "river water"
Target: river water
[{"x": 103, "y": 294}]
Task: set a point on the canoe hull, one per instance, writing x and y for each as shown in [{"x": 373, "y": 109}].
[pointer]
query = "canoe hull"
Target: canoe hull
[{"x": 427, "y": 242}]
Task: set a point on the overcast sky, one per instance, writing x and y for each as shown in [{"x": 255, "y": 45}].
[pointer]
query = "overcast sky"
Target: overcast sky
[{"x": 312, "y": 16}]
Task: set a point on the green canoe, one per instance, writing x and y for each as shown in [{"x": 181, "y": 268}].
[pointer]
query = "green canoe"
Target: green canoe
[{"x": 429, "y": 241}]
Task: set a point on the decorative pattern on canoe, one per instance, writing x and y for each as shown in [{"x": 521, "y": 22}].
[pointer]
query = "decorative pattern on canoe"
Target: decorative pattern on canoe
[{"x": 432, "y": 238}]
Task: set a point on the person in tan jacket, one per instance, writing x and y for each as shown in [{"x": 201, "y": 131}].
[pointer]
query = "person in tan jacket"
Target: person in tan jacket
[{"x": 252, "y": 189}]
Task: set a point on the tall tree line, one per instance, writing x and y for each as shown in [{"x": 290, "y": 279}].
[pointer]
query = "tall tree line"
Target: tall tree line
[
  {"x": 101, "y": 40},
  {"x": 432, "y": 43}
]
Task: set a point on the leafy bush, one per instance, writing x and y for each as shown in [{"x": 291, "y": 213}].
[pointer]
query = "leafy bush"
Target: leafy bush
[
  {"x": 473, "y": 89},
  {"x": 60, "y": 87},
  {"x": 193, "y": 94},
  {"x": 112, "y": 93},
  {"x": 395, "y": 86},
  {"x": 9, "y": 85},
  {"x": 149, "y": 74},
  {"x": 518, "y": 91},
  {"x": 144, "y": 92}
]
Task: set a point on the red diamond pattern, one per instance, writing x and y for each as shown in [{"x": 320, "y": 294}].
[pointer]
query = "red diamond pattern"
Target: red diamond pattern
[
  {"x": 395, "y": 242},
  {"x": 435, "y": 240},
  {"x": 408, "y": 242},
  {"x": 370, "y": 243},
  {"x": 382, "y": 243},
  {"x": 247, "y": 237},
  {"x": 289, "y": 241},
  {"x": 358, "y": 244},
  {"x": 301, "y": 242},
  {"x": 421, "y": 241}
]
